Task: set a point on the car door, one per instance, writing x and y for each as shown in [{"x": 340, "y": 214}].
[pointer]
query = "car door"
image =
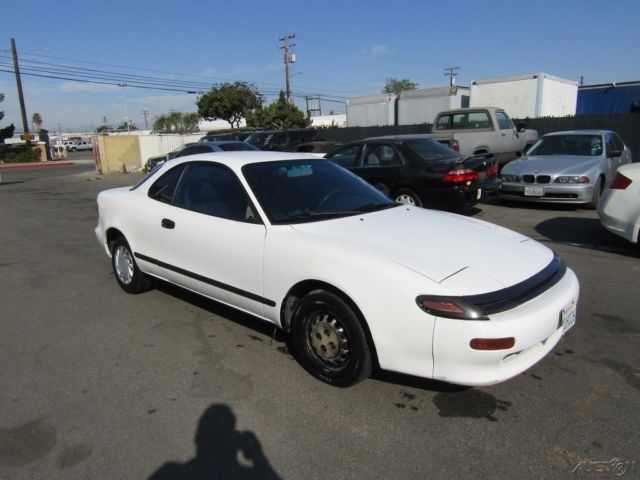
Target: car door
[
  {"x": 613, "y": 155},
  {"x": 508, "y": 139},
  {"x": 213, "y": 238},
  {"x": 380, "y": 164}
]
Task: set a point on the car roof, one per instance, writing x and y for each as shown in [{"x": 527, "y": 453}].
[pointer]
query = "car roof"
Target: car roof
[
  {"x": 408, "y": 136},
  {"x": 237, "y": 160},
  {"x": 219, "y": 142},
  {"x": 579, "y": 132}
]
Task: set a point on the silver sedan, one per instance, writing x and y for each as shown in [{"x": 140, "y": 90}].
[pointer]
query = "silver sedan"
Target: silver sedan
[{"x": 566, "y": 167}]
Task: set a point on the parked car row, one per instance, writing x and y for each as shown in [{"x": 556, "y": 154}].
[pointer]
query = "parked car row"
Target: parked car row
[
  {"x": 76, "y": 145},
  {"x": 198, "y": 147}
]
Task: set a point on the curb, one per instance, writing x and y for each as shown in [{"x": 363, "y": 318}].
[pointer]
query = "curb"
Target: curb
[{"x": 19, "y": 166}]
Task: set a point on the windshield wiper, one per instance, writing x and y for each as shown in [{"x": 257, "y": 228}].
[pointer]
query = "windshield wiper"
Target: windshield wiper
[{"x": 373, "y": 207}]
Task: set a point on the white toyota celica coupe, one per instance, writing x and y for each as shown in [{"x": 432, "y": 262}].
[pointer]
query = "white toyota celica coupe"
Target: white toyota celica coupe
[{"x": 356, "y": 280}]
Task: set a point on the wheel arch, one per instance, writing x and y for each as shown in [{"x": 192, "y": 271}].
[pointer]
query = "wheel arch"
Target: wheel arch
[
  {"x": 303, "y": 288},
  {"x": 110, "y": 235}
]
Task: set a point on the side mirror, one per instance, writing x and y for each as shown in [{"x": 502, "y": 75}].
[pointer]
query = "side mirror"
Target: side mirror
[{"x": 521, "y": 127}]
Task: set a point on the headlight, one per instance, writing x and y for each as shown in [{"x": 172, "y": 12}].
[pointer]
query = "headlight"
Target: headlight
[
  {"x": 450, "y": 307},
  {"x": 510, "y": 178},
  {"x": 572, "y": 179}
]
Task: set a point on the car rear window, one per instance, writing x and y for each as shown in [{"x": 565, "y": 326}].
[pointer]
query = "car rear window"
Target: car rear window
[{"x": 429, "y": 150}]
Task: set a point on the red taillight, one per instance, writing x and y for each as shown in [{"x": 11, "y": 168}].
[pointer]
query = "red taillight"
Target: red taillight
[
  {"x": 455, "y": 145},
  {"x": 492, "y": 343},
  {"x": 620, "y": 182},
  {"x": 460, "y": 176},
  {"x": 442, "y": 306},
  {"x": 492, "y": 171}
]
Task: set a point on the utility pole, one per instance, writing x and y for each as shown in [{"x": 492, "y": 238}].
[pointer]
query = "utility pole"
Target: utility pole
[
  {"x": 451, "y": 72},
  {"x": 314, "y": 107},
  {"x": 23, "y": 110},
  {"x": 288, "y": 58},
  {"x": 145, "y": 113}
]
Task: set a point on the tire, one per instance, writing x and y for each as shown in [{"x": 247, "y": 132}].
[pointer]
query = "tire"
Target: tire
[
  {"x": 407, "y": 196},
  {"x": 329, "y": 340},
  {"x": 597, "y": 192},
  {"x": 125, "y": 269}
]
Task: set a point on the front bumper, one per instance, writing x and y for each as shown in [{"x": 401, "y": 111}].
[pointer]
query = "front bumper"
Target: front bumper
[
  {"x": 552, "y": 192},
  {"x": 535, "y": 325}
]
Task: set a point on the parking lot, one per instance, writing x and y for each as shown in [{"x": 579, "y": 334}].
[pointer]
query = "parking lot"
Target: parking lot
[{"x": 100, "y": 384}]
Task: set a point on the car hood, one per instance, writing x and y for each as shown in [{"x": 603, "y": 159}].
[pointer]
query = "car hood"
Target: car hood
[
  {"x": 467, "y": 256},
  {"x": 552, "y": 164}
]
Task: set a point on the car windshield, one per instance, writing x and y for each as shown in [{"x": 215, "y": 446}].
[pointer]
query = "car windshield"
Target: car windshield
[
  {"x": 430, "y": 150},
  {"x": 583, "y": 145},
  {"x": 297, "y": 191}
]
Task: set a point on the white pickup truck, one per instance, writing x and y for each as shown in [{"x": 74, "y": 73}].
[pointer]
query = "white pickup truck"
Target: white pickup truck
[{"x": 472, "y": 131}]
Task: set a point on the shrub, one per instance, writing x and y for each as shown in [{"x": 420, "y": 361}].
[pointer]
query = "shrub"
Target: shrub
[{"x": 19, "y": 154}]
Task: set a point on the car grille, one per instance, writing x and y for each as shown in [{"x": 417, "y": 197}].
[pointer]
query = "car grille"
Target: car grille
[{"x": 534, "y": 179}]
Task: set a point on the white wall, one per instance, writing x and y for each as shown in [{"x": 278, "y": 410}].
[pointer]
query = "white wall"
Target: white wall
[
  {"x": 422, "y": 105},
  {"x": 339, "y": 120},
  {"x": 152, "y": 145}
]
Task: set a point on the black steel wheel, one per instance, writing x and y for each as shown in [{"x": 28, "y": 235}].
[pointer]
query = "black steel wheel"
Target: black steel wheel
[
  {"x": 329, "y": 340},
  {"x": 125, "y": 269}
]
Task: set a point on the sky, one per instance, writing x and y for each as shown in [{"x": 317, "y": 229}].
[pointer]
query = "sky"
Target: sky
[{"x": 343, "y": 49}]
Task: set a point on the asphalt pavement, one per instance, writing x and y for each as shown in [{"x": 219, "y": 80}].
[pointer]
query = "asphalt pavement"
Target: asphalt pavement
[{"x": 99, "y": 384}]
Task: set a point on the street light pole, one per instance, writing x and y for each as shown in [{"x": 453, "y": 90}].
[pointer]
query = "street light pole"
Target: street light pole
[{"x": 23, "y": 110}]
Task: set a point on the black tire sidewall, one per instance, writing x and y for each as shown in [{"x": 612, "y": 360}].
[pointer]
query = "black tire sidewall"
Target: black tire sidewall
[
  {"x": 139, "y": 282},
  {"x": 409, "y": 193},
  {"x": 357, "y": 367}
]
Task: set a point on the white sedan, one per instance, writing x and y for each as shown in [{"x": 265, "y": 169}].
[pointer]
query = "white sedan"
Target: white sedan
[
  {"x": 619, "y": 208},
  {"x": 356, "y": 280}
]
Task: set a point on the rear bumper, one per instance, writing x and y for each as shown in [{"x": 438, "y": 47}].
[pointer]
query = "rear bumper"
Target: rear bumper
[
  {"x": 535, "y": 325},
  {"x": 619, "y": 216}
]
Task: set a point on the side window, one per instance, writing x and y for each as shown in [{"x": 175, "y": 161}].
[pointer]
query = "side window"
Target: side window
[
  {"x": 444, "y": 122},
  {"x": 380, "y": 156},
  {"x": 214, "y": 190},
  {"x": 346, "y": 157},
  {"x": 618, "y": 144},
  {"x": 163, "y": 189},
  {"x": 504, "y": 123}
]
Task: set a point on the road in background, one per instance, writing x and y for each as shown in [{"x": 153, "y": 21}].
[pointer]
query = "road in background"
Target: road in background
[{"x": 100, "y": 384}]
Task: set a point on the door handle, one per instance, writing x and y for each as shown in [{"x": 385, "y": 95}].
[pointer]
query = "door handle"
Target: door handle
[{"x": 166, "y": 223}]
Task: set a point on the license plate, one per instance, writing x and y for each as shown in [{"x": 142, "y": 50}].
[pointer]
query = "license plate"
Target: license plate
[
  {"x": 479, "y": 194},
  {"x": 533, "y": 191},
  {"x": 568, "y": 316}
]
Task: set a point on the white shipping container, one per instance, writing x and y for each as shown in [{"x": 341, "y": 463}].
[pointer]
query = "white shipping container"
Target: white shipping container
[
  {"x": 535, "y": 95},
  {"x": 423, "y": 104},
  {"x": 371, "y": 110}
]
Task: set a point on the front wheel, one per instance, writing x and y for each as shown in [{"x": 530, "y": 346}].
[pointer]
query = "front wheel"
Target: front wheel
[
  {"x": 329, "y": 340},
  {"x": 130, "y": 278},
  {"x": 597, "y": 191}
]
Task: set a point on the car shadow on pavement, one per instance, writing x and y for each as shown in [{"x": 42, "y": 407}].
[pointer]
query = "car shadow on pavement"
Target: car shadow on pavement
[
  {"x": 271, "y": 331},
  {"x": 222, "y": 452},
  {"x": 228, "y": 313},
  {"x": 585, "y": 233}
]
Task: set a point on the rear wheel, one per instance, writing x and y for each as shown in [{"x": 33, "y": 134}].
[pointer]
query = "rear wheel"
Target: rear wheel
[
  {"x": 329, "y": 340},
  {"x": 407, "y": 196},
  {"x": 126, "y": 271}
]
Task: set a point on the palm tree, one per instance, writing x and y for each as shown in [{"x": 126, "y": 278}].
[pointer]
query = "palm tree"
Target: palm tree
[{"x": 37, "y": 121}]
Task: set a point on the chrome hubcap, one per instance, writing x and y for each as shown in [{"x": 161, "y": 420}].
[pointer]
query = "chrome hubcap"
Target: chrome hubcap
[
  {"x": 123, "y": 264},
  {"x": 406, "y": 199},
  {"x": 328, "y": 340}
]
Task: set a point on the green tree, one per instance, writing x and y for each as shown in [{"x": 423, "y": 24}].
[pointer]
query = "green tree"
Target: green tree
[
  {"x": 230, "y": 102},
  {"x": 394, "y": 85},
  {"x": 177, "y": 122},
  {"x": 37, "y": 121},
  {"x": 6, "y": 132},
  {"x": 279, "y": 114}
]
